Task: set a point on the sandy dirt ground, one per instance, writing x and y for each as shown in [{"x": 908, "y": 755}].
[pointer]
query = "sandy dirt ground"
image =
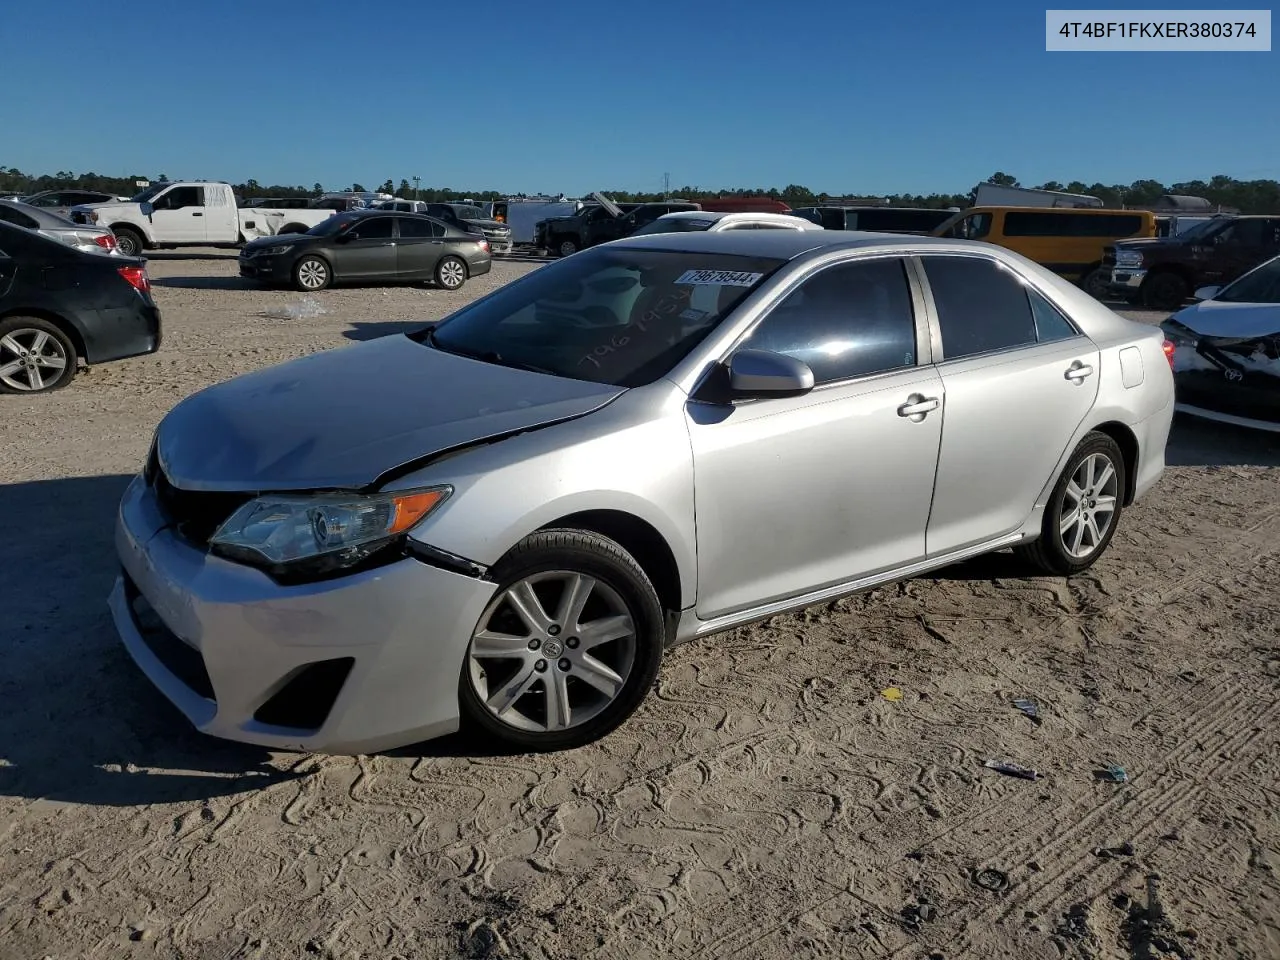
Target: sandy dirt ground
[{"x": 766, "y": 802}]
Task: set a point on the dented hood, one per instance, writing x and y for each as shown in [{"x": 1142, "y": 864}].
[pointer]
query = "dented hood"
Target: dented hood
[
  {"x": 342, "y": 418},
  {"x": 1215, "y": 318}
]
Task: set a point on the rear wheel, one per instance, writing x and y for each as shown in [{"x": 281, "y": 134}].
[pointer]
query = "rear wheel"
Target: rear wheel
[
  {"x": 128, "y": 241},
  {"x": 568, "y": 647},
  {"x": 35, "y": 356},
  {"x": 451, "y": 273},
  {"x": 1165, "y": 291},
  {"x": 1083, "y": 510},
  {"x": 311, "y": 274},
  {"x": 1095, "y": 283}
]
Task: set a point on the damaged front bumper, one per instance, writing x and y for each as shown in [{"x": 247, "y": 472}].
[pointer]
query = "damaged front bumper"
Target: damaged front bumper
[{"x": 1231, "y": 380}]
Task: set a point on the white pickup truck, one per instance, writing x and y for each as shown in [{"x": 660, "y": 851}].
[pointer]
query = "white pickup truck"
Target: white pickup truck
[{"x": 192, "y": 213}]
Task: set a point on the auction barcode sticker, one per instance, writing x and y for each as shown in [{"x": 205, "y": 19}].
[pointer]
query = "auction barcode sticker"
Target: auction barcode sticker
[
  {"x": 1108, "y": 31},
  {"x": 724, "y": 278}
]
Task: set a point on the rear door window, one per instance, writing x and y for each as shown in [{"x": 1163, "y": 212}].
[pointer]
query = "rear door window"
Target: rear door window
[
  {"x": 982, "y": 307},
  {"x": 411, "y": 228}
]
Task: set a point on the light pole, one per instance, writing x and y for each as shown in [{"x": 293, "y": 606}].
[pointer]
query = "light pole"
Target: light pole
[{"x": 416, "y": 181}]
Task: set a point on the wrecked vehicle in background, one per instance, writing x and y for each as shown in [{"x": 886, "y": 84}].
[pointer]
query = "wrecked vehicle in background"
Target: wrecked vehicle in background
[
  {"x": 601, "y": 222},
  {"x": 1226, "y": 361}
]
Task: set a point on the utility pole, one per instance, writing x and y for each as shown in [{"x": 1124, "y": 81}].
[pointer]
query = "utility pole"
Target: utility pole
[
  {"x": 666, "y": 186},
  {"x": 416, "y": 181}
]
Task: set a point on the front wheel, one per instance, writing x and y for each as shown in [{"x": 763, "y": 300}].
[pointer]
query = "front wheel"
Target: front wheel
[
  {"x": 569, "y": 645},
  {"x": 35, "y": 356},
  {"x": 1165, "y": 291},
  {"x": 1083, "y": 510},
  {"x": 451, "y": 273},
  {"x": 312, "y": 274},
  {"x": 128, "y": 242},
  {"x": 566, "y": 247}
]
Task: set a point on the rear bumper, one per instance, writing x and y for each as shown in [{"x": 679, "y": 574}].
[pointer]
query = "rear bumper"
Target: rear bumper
[
  {"x": 480, "y": 266},
  {"x": 114, "y": 333}
]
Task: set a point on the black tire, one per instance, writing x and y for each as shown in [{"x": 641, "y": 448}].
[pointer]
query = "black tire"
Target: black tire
[
  {"x": 565, "y": 247},
  {"x": 1048, "y": 552},
  {"x": 577, "y": 551},
  {"x": 129, "y": 241},
  {"x": 24, "y": 332},
  {"x": 312, "y": 273},
  {"x": 1165, "y": 291},
  {"x": 1096, "y": 282},
  {"x": 451, "y": 273}
]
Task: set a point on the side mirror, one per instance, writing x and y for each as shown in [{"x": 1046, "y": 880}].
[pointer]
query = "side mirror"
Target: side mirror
[
  {"x": 1206, "y": 293},
  {"x": 347, "y": 236},
  {"x": 763, "y": 373},
  {"x": 147, "y": 208}
]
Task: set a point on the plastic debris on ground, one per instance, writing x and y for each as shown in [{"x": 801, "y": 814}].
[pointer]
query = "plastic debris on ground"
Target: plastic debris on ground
[
  {"x": 1113, "y": 774},
  {"x": 891, "y": 693},
  {"x": 1029, "y": 707},
  {"x": 303, "y": 309},
  {"x": 991, "y": 879},
  {"x": 1012, "y": 769}
]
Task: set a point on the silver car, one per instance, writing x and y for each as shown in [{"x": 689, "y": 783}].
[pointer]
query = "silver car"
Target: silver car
[
  {"x": 503, "y": 520},
  {"x": 83, "y": 237}
]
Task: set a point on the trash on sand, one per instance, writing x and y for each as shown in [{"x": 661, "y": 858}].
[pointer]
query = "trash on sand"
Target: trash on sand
[
  {"x": 1029, "y": 707},
  {"x": 1012, "y": 769},
  {"x": 891, "y": 693},
  {"x": 1113, "y": 774},
  {"x": 990, "y": 879},
  {"x": 302, "y": 309}
]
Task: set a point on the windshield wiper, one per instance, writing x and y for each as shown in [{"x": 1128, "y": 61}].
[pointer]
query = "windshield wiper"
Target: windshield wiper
[{"x": 486, "y": 356}]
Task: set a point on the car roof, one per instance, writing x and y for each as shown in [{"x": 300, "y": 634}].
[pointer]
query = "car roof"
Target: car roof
[
  {"x": 715, "y": 216},
  {"x": 47, "y": 219},
  {"x": 781, "y": 244}
]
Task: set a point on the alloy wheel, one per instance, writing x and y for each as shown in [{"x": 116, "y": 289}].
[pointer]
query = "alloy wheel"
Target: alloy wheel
[
  {"x": 452, "y": 274},
  {"x": 552, "y": 651},
  {"x": 27, "y": 356},
  {"x": 312, "y": 274},
  {"x": 1088, "y": 505}
]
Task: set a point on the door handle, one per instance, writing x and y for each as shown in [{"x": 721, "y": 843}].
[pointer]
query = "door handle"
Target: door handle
[
  {"x": 197, "y": 214},
  {"x": 1077, "y": 372},
  {"x": 917, "y": 406}
]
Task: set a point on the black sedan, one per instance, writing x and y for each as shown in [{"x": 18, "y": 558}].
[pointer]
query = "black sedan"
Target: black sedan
[
  {"x": 368, "y": 246},
  {"x": 60, "y": 306},
  {"x": 1226, "y": 360}
]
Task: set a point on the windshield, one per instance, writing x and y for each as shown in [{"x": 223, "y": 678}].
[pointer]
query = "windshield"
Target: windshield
[
  {"x": 150, "y": 192},
  {"x": 1203, "y": 231},
  {"x": 331, "y": 226},
  {"x": 618, "y": 316},
  {"x": 1259, "y": 285},
  {"x": 674, "y": 225},
  {"x": 469, "y": 213}
]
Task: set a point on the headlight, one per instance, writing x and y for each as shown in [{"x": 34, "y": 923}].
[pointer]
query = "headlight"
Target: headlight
[
  {"x": 1128, "y": 258},
  {"x": 321, "y": 533},
  {"x": 274, "y": 251}
]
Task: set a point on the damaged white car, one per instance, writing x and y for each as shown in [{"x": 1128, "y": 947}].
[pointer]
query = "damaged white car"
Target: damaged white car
[{"x": 1226, "y": 360}]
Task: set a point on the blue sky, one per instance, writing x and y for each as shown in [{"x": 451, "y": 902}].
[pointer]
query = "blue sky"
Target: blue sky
[{"x": 560, "y": 96}]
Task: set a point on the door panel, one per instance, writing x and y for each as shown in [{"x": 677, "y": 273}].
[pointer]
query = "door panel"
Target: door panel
[
  {"x": 179, "y": 216},
  {"x": 801, "y": 493},
  {"x": 371, "y": 254},
  {"x": 418, "y": 249}
]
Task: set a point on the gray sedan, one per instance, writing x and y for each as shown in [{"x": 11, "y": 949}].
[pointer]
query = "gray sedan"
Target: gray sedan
[
  {"x": 87, "y": 238},
  {"x": 503, "y": 520}
]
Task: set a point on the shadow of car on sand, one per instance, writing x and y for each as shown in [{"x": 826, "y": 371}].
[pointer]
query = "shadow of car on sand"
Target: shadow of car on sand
[{"x": 81, "y": 723}]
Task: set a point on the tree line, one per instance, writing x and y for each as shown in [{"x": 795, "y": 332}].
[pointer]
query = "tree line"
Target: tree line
[{"x": 1248, "y": 196}]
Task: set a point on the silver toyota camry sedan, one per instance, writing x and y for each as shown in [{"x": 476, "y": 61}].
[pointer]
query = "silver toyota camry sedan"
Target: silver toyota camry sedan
[{"x": 502, "y": 520}]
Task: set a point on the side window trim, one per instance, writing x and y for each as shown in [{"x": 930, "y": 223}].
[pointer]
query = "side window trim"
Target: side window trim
[
  {"x": 935, "y": 328},
  {"x": 922, "y": 334}
]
